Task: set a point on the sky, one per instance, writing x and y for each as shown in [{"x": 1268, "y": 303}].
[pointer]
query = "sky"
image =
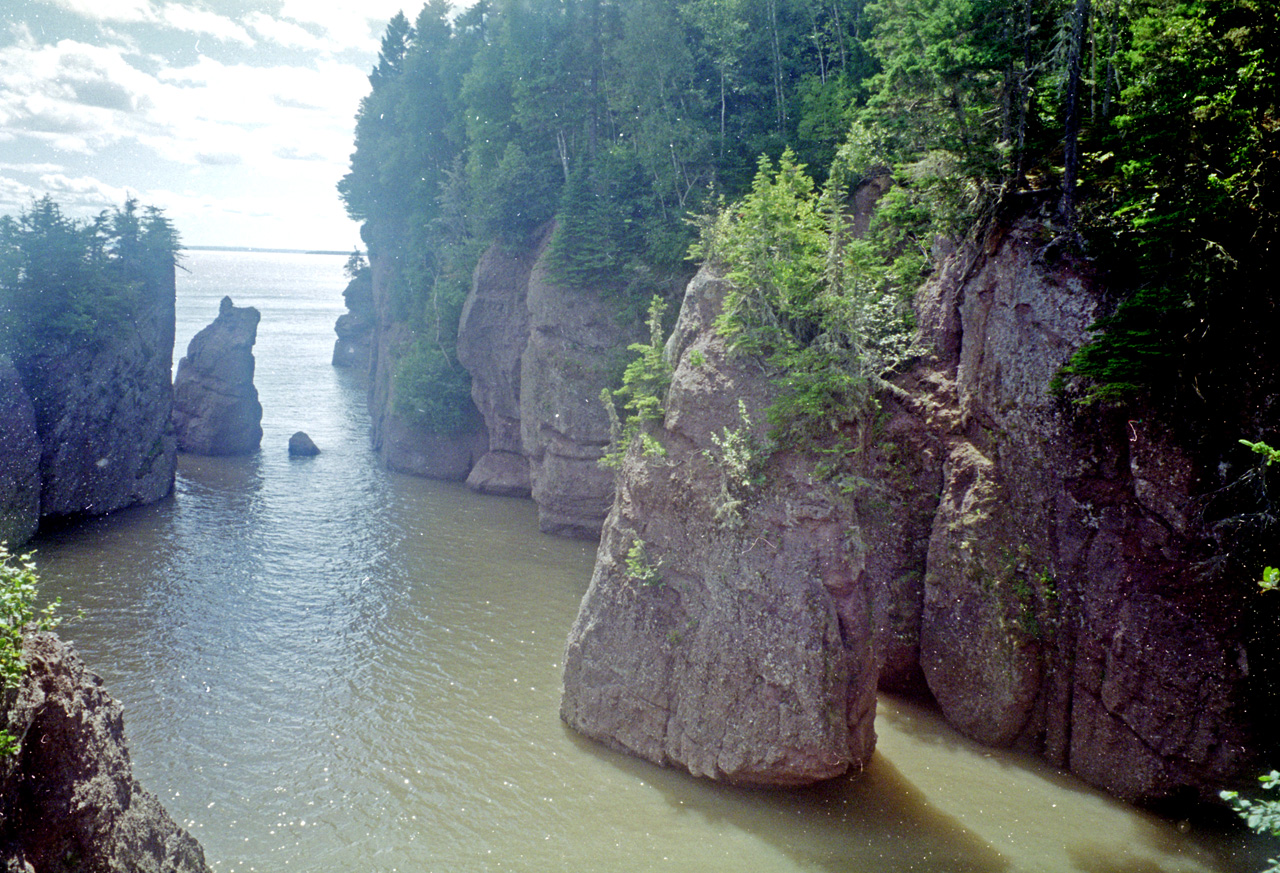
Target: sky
[{"x": 235, "y": 117}]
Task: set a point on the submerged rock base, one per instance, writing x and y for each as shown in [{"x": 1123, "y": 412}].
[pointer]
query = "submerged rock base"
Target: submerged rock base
[{"x": 68, "y": 799}]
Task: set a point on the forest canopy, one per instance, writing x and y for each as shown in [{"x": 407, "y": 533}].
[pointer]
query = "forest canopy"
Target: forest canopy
[
  {"x": 1145, "y": 132},
  {"x": 63, "y": 279}
]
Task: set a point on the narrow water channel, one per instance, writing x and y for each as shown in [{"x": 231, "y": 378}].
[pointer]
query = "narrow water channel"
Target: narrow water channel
[{"x": 325, "y": 666}]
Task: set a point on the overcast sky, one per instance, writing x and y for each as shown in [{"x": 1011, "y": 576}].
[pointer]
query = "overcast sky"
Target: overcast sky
[{"x": 234, "y": 116}]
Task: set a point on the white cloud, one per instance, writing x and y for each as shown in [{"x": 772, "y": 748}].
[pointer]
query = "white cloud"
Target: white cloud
[
  {"x": 32, "y": 168},
  {"x": 203, "y": 23},
  {"x": 236, "y": 147},
  {"x": 73, "y": 95},
  {"x": 351, "y": 25},
  {"x": 111, "y": 10},
  {"x": 82, "y": 191},
  {"x": 177, "y": 16},
  {"x": 286, "y": 33}
]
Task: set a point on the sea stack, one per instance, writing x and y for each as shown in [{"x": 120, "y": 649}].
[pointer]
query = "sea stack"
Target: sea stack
[{"x": 215, "y": 405}]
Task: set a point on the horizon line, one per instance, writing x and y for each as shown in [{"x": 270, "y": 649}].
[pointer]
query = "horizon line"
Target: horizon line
[{"x": 262, "y": 250}]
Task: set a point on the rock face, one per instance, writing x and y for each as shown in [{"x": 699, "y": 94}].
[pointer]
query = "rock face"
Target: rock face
[
  {"x": 354, "y": 328},
  {"x": 301, "y": 445},
  {"x": 727, "y": 627},
  {"x": 1027, "y": 563},
  {"x": 492, "y": 337},
  {"x": 1060, "y": 609},
  {"x": 576, "y": 346},
  {"x": 539, "y": 353},
  {"x": 101, "y": 409},
  {"x": 216, "y": 409},
  {"x": 19, "y": 459},
  {"x": 68, "y": 799},
  {"x": 352, "y": 347}
]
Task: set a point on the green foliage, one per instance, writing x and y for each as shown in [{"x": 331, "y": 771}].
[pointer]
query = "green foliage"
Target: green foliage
[
  {"x": 639, "y": 568},
  {"x": 828, "y": 312},
  {"x": 1242, "y": 519},
  {"x": 63, "y": 280},
  {"x": 1269, "y": 455},
  {"x": 1262, "y": 816},
  {"x": 18, "y": 616},
  {"x": 431, "y": 389},
  {"x": 740, "y": 459},
  {"x": 1270, "y": 580},
  {"x": 1181, "y": 217},
  {"x": 611, "y": 235},
  {"x": 644, "y": 387},
  {"x": 1132, "y": 347}
]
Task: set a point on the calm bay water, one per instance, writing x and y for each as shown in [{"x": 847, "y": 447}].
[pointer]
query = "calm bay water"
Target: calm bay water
[{"x": 325, "y": 666}]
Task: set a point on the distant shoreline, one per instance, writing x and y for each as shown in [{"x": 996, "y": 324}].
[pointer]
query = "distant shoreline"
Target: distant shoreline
[{"x": 262, "y": 251}]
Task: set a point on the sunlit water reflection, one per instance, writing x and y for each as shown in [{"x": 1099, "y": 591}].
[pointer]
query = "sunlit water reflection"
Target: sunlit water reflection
[{"x": 328, "y": 667}]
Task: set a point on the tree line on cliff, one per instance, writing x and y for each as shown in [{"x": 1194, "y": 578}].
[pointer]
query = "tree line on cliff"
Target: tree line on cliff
[
  {"x": 64, "y": 280},
  {"x": 1145, "y": 130}
]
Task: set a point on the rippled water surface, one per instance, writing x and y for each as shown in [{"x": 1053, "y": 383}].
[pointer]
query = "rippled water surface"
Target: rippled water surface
[{"x": 328, "y": 667}]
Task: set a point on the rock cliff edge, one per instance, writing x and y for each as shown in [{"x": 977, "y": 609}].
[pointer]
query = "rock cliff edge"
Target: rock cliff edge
[{"x": 68, "y": 799}]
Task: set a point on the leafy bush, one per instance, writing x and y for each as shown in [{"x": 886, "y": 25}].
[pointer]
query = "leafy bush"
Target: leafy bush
[
  {"x": 432, "y": 390},
  {"x": 644, "y": 387},
  {"x": 1262, "y": 816},
  {"x": 829, "y": 313},
  {"x": 18, "y": 583},
  {"x": 739, "y": 457}
]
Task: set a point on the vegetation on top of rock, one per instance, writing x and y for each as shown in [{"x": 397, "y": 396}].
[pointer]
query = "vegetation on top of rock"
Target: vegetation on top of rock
[
  {"x": 67, "y": 280},
  {"x": 1146, "y": 131},
  {"x": 1181, "y": 206},
  {"x": 18, "y": 616},
  {"x": 829, "y": 312}
]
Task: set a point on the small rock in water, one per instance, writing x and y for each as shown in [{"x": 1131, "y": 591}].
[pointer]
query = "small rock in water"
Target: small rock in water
[{"x": 301, "y": 444}]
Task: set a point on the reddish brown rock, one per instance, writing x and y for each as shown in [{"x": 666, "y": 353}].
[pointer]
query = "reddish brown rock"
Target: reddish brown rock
[{"x": 727, "y": 628}]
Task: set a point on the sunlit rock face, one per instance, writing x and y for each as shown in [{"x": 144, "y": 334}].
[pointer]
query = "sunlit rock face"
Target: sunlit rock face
[
  {"x": 216, "y": 409},
  {"x": 68, "y": 798},
  {"x": 102, "y": 407},
  {"x": 726, "y": 630},
  {"x": 19, "y": 459},
  {"x": 1030, "y": 564}
]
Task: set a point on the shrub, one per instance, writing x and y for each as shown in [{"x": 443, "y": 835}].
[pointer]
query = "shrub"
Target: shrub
[
  {"x": 18, "y": 614},
  {"x": 829, "y": 313},
  {"x": 432, "y": 390},
  {"x": 1262, "y": 816},
  {"x": 644, "y": 387}
]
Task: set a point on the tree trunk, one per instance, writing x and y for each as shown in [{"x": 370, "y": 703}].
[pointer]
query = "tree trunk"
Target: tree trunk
[{"x": 1071, "y": 132}]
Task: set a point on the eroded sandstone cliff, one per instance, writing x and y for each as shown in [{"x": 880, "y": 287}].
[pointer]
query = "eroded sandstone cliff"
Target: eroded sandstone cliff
[
  {"x": 538, "y": 352},
  {"x": 728, "y": 625},
  {"x": 68, "y": 798},
  {"x": 1027, "y": 563}
]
